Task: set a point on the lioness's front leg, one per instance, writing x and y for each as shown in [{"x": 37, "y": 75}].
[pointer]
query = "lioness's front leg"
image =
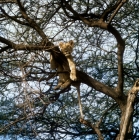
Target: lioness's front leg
[
  {"x": 73, "y": 76},
  {"x": 72, "y": 69}
]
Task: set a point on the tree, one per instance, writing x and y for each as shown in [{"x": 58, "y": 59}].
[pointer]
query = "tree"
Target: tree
[{"x": 106, "y": 56}]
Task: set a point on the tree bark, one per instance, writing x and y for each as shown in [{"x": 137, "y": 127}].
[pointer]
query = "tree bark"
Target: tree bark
[{"x": 126, "y": 122}]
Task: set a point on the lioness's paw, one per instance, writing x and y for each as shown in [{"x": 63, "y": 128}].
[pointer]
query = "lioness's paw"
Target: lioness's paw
[{"x": 73, "y": 77}]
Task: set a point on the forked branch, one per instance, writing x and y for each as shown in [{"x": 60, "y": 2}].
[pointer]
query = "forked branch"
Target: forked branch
[{"x": 117, "y": 9}]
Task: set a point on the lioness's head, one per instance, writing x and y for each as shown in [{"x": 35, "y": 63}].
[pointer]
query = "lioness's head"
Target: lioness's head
[{"x": 66, "y": 48}]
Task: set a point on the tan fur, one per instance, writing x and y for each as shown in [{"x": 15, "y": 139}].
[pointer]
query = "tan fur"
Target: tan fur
[
  {"x": 64, "y": 78},
  {"x": 53, "y": 63},
  {"x": 66, "y": 49}
]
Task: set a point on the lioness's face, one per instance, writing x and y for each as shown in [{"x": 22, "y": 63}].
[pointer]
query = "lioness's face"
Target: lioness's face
[{"x": 66, "y": 48}]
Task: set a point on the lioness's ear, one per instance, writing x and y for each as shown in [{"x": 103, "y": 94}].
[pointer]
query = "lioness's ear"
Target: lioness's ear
[
  {"x": 71, "y": 43},
  {"x": 61, "y": 44}
]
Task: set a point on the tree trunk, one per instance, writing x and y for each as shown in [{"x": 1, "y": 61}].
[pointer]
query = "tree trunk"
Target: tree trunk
[{"x": 126, "y": 131}]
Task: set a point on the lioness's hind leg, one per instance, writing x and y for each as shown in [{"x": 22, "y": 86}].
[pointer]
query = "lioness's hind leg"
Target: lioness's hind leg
[
  {"x": 66, "y": 84},
  {"x": 60, "y": 83}
]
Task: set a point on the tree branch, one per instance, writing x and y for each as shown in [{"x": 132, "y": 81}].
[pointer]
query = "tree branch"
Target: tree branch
[
  {"x": 14, "y": 18},
  {"x": 32, "y": 23},
  {"x": 7, "y": 42},
  {"x": 7, "y": 1},
  {"x": 93, "y": 126},
  {"x": 84, "y": 78},
  {"x": 10, "y": 45},
  {"x": 97, "y": 124},
  {"x": 4, "y": 48},
  {"x": 109, "y": 10},
  {"x": 76, "y": 15},
  {"x": 117, "y": 9},
  {"x": 137, "y": 51},
  {"x": 129, "y": 109},
  {"x": 86, "y": 18},
  {"x": 120, "y": 52}
]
